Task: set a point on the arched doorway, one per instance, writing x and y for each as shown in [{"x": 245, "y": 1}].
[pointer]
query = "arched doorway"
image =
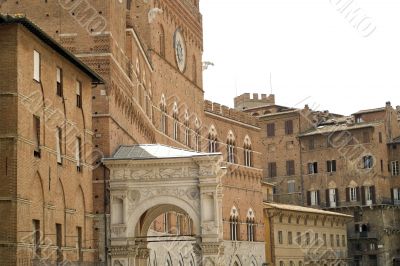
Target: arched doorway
[{"x": 148, "y": 183}]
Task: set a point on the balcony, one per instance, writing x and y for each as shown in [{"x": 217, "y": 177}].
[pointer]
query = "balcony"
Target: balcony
[{"x": 363, "y": 235}]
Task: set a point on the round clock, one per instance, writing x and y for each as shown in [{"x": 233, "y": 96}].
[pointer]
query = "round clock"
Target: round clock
[{"x": 180, "y": 50}]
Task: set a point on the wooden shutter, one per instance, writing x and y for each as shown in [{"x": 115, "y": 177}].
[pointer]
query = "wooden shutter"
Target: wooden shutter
[
  {"x": 334, "y": 166},
  {"x": 327, "y": 198},
  {"x": 337, "y": 196},
  {"x": 363, "y": 200},
  {"x": 309, "y": 198},
  {"x": 347, "y": 194},
  {"x": 318, "y": 198},
  {"x": 373, "y": 195}
]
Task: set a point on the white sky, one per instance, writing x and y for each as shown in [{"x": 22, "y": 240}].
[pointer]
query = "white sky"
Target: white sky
[{"x": 310, "y": 48}]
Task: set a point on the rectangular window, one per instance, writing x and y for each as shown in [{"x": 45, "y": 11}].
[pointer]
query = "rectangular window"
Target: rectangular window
[
  {"x": 289, "y": 127},
  {"x": 270, "y": 130},
  {"x": 272, "y": 170},
  {"x": 298, "y": 238},
  {"x": 368, "y": 162},
  {"x": 353, "y": 194},
  {"x": 280, "y": 237},
  {"x": 308, "y": 239},
  {"x": 290, "y": 238},
  {"x": 331, "y": 166},
  {"x": 343, "y": 241},
  {"x": 312, "y": 168},
  {"x": 337, "y": 240},
  {"x": 36, "y": 136},
  {"x": 396, "y": 196},
  {"x": 59, "y": 82},
  {"x": 78, "y": 94},
  {"x": 291, "y": 186},
  {"x": 314, "y": 198},
  {"x": 36, "y": 66},
  {"x": 395, "y": 168},
  {"x": 290, "y": 168},
  {"x": 78, "y": 153},
  {"x": 324, "y": 239},
  {"x": 59, "y": 144},
  {"x": 380, "y": 137},
  {"x": 332, "y": 241},
  {"x": 36, "y": 237}
]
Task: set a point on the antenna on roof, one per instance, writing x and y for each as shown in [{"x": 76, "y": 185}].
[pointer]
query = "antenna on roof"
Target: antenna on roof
[{"x": 270, "y": 81}]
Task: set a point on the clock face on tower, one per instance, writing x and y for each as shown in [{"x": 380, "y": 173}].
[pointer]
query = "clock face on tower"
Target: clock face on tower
[{"x": 180, "y": 50}]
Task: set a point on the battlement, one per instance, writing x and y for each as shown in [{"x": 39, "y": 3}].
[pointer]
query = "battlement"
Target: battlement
[
  {"x": 247, "y": 100},
  {"x": 229, "y": 113}
]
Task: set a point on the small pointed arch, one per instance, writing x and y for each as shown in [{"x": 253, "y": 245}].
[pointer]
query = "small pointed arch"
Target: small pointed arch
[
  {"x": 250, "y": 221},
  {"x": 230, "y": 147},
  {"x": 197, "y": 125},
  {"x": 168, "y": 260},
  {"x": 332, "y": 185},
  {"x": 161, "y": 41},
  {"x": 236, "y": 261},
  {"x": 187, "y": 128},
  {"x": 212, "y": 139},
  {"x": 234, "y": 224},
  {"x": 175, "y": 116},
  {"x": 353, "y": 184},
  {"x": 248, "y": 154}
]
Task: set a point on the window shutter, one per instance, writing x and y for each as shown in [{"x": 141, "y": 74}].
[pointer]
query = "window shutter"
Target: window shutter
[
  {"x": 318, "y": 198},
  {"x": 392, "y": 194},
  {"x": 363, "y": 199},
  {"x": 347, "y": 194},
  {"x": 334, "y": 166},
  {"x": 327, "y": 198},
  {"x": 337, "y": 196},
  {"x": 373, "y": 196},
  {"x": 315, "y": 167},
  {"x": 358, "y": 193},
  {"x": 309, "y": 198}
]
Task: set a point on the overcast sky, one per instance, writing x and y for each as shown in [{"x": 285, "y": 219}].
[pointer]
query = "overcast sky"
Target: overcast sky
[{"x": 315, "y": 53}]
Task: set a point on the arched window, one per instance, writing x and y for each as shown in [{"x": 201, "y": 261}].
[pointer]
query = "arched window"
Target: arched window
[
  {"x": 250, "y": 225},
  {"x": 187, "y": 129},
  {"x": 162, "y": 41},
  {"x": 248, "y": 156},
  {"x": 197, "y": 136},
  {"x": 128, "y": 4},
  {"x": 176, "y": 122},
  {"x": 212, "y": 140},
  {"x": 234, "y": 224},
  {"x": 230, "y": 146},
  {"x": 164, "y": 116}
]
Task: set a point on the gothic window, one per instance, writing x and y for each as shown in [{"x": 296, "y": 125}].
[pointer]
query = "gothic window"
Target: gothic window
[
  {"x": 164, "y": 117},
  {"x": 248, "y": 158},
  {"x": 234, "y": 224},
  {"x": 176, "y": 122},
  {"x": 187, "y": 130},
  {"x": 212, "y": 140},
  {"x": 230, "y": 146},
  {"x": 250, "y": 225}
]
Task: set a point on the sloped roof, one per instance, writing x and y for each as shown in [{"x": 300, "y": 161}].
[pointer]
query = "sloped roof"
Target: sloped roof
[
  {"x": 373, "y": 110},
  {"x": 34, "y": 29},
  {"x": 296, "y": 208},
  {"x": 323, "y": 129},
  {"x": 154, "y": 151}
]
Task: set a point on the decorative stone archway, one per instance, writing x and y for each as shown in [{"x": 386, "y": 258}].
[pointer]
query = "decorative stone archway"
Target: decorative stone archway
[{"x": 149, "y": 180}]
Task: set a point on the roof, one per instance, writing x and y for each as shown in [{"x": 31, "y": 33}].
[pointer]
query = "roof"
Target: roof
[
  {"x": 395, "y": 141},
  {"x": 336, "y": 127},
  {"x": 29, "y": 25},
  {"x": 370, "y": 111},
  {"x": 296, "y": 208},
  {"x": 154, "y": 151}
]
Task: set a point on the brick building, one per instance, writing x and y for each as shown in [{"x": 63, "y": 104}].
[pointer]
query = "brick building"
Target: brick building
[
  {"x": 149, "y": 54},
  {"x": 347, "y": 164},
  {"x": 46, "y": 200}
]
